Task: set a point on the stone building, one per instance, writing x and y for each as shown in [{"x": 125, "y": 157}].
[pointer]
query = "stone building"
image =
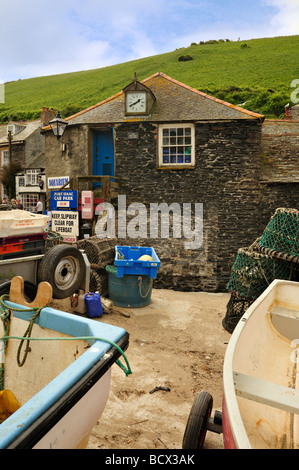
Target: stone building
[
  {"x": 24, "y": 144},
  {"x": 170, "y": 144}
]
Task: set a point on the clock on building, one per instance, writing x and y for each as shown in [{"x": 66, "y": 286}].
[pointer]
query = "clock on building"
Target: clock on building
[{"x": 139, "y": 99}]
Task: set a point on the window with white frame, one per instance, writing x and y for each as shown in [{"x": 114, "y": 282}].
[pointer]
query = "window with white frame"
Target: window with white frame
[
  {"x": 32, "y": 177},
  {"x": 4, "y": 158},
  {"x": 176, "y": 145}
]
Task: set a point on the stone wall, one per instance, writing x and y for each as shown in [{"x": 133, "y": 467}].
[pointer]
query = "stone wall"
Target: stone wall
[
  {"x": 225, "y": 180},
  {"x": 72, "y": 161},
  {"x": 280, "y": 150},
  {"x": 244, "y": 170}
]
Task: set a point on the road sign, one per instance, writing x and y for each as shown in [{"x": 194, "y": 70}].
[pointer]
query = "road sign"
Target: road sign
[{"x": 64, "y": 200}]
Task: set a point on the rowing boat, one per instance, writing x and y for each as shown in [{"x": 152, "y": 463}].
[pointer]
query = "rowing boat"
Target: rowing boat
[
  {"x": 61, "y": 382},
  {"x": 260, "y": 374}
]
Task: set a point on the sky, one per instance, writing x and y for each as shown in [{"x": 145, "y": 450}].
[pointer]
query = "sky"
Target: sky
[{"x": 41, "y": 38}]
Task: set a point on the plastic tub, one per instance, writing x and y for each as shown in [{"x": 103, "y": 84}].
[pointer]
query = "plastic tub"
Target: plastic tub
[
  {"x": 17, "y": 222},
  {"x": 129, "y": 291},
  {"x": 128, "y": 260}
]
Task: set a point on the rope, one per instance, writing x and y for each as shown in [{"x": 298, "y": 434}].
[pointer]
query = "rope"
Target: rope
[
  {"x": 5, "y": 317},
  {"x": 140, "y": 286},
  {"x": 119, "y": 253},
  {"x": 127, "y": 370},
  {"x": 28, "y": 331}
]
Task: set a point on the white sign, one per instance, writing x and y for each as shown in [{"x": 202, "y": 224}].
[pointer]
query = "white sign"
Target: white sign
[
  {"x": 58, "y": 182},
  {"x": 63, "y": 203},
  {"x": 66, "y": 223}
]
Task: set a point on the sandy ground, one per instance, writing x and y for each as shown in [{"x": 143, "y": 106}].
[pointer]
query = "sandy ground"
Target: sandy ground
[{"x": 176, "y": 342}]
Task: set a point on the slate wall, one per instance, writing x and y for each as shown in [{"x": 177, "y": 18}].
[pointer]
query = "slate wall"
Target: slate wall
[
  {"x": 225, "y": 180},
  {"x": 239, "y": 184}
]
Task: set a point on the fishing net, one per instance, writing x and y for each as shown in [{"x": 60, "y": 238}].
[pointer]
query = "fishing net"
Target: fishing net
[
  {"x": 53, "y": 238},
  {"x": 252, "y": 272},
  {"x": 235, "y": 309},
  {"x": 98, "y": 282},
  {"x": 275, "y": 255},
  {"x": 98, "y": 251},
  {"x": 281, "y": 236}
]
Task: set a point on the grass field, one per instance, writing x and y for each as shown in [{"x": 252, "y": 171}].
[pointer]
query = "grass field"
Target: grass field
[{"x": 259, "y": 71}]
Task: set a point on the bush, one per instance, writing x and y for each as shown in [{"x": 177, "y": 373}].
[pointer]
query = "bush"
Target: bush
[{"x": 184, "y": 58}]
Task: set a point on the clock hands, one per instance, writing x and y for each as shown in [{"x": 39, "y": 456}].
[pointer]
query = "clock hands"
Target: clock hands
[{"x": 133, "y": 104}]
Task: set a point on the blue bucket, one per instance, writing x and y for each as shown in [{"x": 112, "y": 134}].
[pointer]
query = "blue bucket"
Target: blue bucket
[
  {"x": 93, "y": 305},
  {"x": 129, "y": 291}
]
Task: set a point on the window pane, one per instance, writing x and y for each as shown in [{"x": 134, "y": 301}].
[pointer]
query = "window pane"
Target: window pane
[{"x": 176, "y": 145}]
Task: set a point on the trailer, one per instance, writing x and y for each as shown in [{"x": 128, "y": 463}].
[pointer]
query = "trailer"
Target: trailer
[
  {"x": 24, "y": 252},
  {"x": 64, "y": 266}
]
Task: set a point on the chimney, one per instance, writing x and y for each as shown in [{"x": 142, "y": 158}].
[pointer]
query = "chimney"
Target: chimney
[{"x": 46, "y": 116}]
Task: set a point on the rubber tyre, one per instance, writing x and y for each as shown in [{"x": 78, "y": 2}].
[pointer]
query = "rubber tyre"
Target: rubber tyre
[
  {"x": 30, "y": 290},
  {"x": 64, "y": 268},
  {"x": 196, "y": 427}
]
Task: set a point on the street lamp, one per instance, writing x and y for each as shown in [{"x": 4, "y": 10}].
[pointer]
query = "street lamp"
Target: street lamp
[{"x": 58, "y": 125}]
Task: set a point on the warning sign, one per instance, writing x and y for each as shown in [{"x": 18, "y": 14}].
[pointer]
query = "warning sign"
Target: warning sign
[{"x": 66, "y": 223}]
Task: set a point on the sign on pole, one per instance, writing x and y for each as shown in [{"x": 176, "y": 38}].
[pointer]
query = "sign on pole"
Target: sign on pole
[
  {"x": 66, "y": 223},
  {"x": 64, "y": 200}
]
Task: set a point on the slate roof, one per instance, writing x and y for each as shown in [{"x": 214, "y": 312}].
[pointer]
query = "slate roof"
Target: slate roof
[
  {"x": 175, "y": 101},
  {"x": 29, "y": 128}
]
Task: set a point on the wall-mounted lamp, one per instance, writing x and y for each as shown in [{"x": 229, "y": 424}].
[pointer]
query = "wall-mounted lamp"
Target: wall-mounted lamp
[{"x": 58, "y": 125}]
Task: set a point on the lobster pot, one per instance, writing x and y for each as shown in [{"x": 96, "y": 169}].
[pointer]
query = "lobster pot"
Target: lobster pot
[
  {"x": 129, "y": 291},
  {"x": 281, "y": 235},
  {"x": 235, "y": 309},
  {"x": 252, "y": 272}
]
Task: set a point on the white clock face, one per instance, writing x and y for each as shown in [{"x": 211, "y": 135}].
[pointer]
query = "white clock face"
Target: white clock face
[{"x": 136, "y": 102}]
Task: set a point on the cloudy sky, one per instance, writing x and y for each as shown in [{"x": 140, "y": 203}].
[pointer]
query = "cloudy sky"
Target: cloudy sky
[{"x": 56, "y": 36}]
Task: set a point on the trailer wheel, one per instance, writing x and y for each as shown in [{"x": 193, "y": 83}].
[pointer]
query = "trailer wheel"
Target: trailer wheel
[
  {"x": 30, "y": 290},
  {"x": 64, "y": 268},
  {"x": 196, "y": 427}
]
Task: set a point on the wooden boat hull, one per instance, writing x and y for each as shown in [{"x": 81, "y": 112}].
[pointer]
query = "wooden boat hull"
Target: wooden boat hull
[
  {"x": 260, "y": 377},
  {"x": 66, "y": 406}
]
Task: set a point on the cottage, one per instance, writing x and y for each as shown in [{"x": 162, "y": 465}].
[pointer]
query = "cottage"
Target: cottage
[
  {"x": 22, "y": 143},
  {"x": 173, "y": 149}
]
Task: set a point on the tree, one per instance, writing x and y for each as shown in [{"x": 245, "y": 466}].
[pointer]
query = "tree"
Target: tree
[{"x": 8, "y": 178}]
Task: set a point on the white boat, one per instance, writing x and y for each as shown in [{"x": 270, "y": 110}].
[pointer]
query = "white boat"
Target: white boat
[
  {"x": 260, "y": 375},
  {"x": 260, "y": 408},
  {"x": 63, "y": 386}
]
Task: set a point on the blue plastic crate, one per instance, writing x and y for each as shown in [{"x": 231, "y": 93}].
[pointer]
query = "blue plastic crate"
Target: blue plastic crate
[{"x": 127, "y": 261}]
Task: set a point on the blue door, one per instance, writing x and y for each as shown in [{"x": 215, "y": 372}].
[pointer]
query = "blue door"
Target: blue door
[{"x": 103, "y": 153}]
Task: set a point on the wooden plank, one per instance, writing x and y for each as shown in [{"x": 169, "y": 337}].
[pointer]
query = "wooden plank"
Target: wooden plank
[{"x": 268, "y": 393}]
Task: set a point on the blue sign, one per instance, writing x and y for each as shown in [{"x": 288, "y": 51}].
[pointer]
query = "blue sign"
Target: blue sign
[{"x": 64, "y": 200}]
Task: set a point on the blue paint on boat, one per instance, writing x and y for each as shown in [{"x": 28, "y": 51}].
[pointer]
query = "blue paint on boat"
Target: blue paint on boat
[{"x": 71, "y": 325}]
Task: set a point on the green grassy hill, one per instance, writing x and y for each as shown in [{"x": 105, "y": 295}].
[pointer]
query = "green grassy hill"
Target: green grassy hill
[{"x": 259, "y": 71}]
